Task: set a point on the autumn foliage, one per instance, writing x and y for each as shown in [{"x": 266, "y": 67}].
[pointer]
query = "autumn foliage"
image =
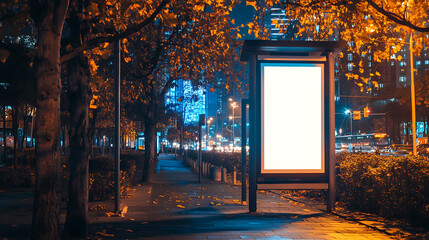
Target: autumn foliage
[{"x": 378, "y": 28}]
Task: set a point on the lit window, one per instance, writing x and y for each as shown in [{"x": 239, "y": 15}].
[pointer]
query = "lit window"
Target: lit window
[
  {"x": 392, "y": 63},
  {"x": 427, "y": 62},
  {"x": 350, "y": 66},
  {"x": 403, "y": 64},
  {"x": 381, "y": 85},
  {"x": 350, "y": 57},
  {"x": 418, "y": 63},
  {"x": 393, "y": 56},
  {"x": 402, "y": 79},
  {"x": 369, "y": 64},
  {"x": 369, "y": 57}
]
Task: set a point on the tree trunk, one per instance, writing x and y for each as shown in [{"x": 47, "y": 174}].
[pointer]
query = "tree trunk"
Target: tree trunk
[
  {"x": 4, "y": 135},
  {"x": 92, "y": 132},
  {"x": 24, "y": 129},
  {"x": 76, "y": 224},
  {"x": 15, "y": 134},
  {"x": 32, "y": 126},
  {"x": 48, "y": 17},
  {"x": 151, "y": 159}
]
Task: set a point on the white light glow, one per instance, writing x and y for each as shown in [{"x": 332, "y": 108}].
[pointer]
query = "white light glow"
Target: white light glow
[{"x": 292, "y": 118}]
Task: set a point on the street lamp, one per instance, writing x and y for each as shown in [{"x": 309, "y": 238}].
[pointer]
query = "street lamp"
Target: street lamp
[
  {"x": 233, "y": 105},
  {"x": 208, "y": 131},
  {"x": 413, "y": 98},
  {"x": 348, "y": 111}
]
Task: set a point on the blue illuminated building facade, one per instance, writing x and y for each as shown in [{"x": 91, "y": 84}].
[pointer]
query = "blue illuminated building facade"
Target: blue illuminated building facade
[{"x": 187, "y": 100}]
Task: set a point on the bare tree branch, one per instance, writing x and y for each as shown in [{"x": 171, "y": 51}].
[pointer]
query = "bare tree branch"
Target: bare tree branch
[
  {"x": 401, "y": 20},
  {"x": 396, "y": 18}
]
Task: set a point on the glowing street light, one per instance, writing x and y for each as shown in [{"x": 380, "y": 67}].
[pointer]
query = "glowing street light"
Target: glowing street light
[
  {"x": 209, "y": 120},
  {"x": 233, "y": 105},
  {"x": 348, "y": 111}
]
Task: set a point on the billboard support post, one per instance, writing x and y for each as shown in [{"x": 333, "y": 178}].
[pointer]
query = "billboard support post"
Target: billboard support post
[
  {"x": 331, "y": 139},
  {"x": 244, "y": 104}
]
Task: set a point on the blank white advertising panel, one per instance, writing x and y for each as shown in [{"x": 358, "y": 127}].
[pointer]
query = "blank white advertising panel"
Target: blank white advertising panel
[{"x": 292, "y": 118}]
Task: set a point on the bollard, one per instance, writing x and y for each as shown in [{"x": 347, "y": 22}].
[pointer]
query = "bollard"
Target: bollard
[
  {"x": 204, "y": 169},
  {"x": 211, "y": 170},
  {"x": 234, "y": 176},
  {"x": 224, "y": 175},
  {"x": 217, "y": 174}
]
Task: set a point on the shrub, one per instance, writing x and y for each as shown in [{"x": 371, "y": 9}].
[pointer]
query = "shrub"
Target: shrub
[
  {"x": 389, "y": 186},
  {"x": 394, "y": 187},
  {"x": 19, "y": 177},
  {"x": 227, "y": 160},
  {"x": 102, "y": 173}
]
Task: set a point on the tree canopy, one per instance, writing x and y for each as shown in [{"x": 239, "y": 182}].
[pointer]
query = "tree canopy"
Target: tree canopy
[{"x": 379, "y": 27}]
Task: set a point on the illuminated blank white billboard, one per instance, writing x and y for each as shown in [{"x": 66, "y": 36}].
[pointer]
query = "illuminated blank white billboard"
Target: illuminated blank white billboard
[{"x": 292, "y": 118}]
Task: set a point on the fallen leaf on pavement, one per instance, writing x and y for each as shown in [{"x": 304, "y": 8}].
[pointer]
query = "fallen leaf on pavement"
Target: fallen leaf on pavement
[
  {"x": 96, "y": 207},
  {"x": 103, "y": 233}
]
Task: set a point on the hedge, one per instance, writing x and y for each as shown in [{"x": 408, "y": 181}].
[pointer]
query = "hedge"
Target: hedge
[
  {"x": 394, "y": 187},
  {"x": 21, "y": 177},
  {"x": 220, "y": 159},
  {"x": 101, "y": 175}
]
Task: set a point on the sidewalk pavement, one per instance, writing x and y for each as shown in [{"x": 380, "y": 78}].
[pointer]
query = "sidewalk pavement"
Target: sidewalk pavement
[
  {"x": 15, "y": 214},
  {"x": 176, "y": 206}
]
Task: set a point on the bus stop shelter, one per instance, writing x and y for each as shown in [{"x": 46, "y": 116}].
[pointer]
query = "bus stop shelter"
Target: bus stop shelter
[{"x": 291, "y": 115}]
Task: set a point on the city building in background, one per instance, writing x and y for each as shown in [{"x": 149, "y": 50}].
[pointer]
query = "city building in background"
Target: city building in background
[
  {"x": 220, "y": 106},
  {"x": 186, "y": 100}
]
